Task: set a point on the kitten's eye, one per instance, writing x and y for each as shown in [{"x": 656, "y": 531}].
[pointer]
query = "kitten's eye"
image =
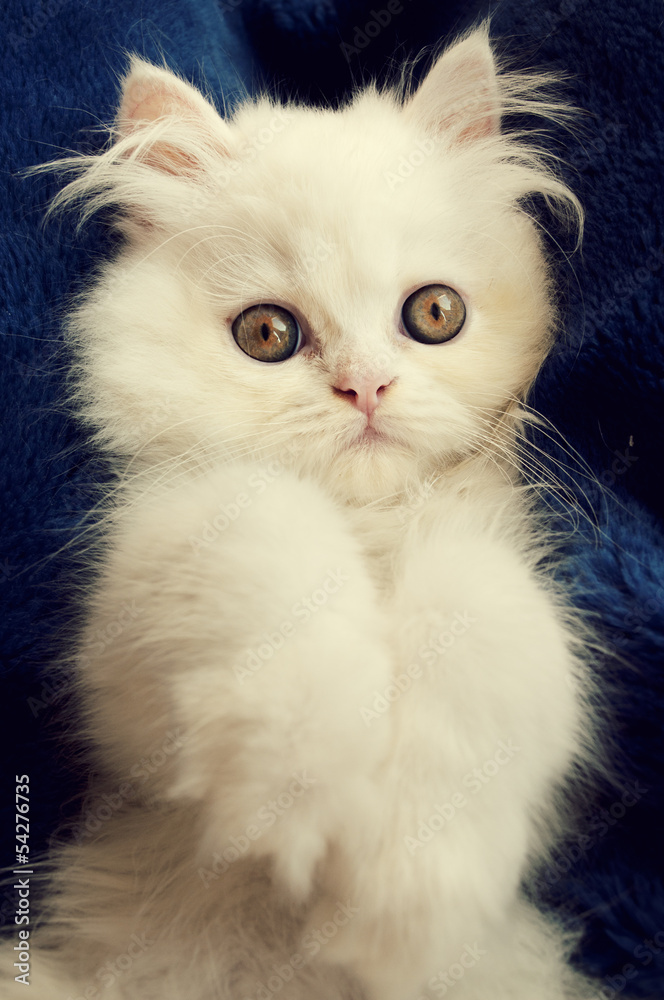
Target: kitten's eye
[
  {"x": 267, "y": 333},
  {"x": 433, "y": 314}
]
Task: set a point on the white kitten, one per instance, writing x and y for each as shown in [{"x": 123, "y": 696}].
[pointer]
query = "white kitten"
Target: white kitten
[{"x": 333, "y": 697}]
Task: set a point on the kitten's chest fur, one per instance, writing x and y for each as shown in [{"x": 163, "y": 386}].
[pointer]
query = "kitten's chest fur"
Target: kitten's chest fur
[{"x": 474, "y": 498}]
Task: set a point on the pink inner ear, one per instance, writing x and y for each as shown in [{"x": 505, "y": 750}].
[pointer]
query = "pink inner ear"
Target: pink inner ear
[
  {"x": 149, "y": 98},
  {"x": 460, "y": 94},
  {"x": 145, "y": 103},
  {"x": 146, "y": 110},
  {"x": 483, "y": 111},
  {"x": 479, "y": 104}
]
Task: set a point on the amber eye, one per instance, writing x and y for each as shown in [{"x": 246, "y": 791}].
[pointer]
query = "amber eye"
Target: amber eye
[
  {"x": 433, "y": 314},
  {"x": 267, "y": 333}
]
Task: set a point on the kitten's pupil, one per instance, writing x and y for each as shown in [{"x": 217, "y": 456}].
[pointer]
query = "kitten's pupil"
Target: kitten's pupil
[
  {"x": 433, "y": 314},
  {"x": 267, "y": 332}
]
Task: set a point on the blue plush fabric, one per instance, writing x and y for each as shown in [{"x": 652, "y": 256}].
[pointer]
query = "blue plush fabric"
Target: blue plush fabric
[
  {"x": 61, "y": 61},
  {"x": 603, "y": 388}
]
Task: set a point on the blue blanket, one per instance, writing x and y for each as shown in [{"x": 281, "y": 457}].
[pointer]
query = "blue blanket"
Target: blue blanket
[{"x": 603, "y": 388}]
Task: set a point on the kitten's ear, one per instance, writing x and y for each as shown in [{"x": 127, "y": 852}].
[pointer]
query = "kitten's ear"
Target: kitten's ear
[
  {"x": 156, "y": 97},
  {"x": 460, "y": 94}
]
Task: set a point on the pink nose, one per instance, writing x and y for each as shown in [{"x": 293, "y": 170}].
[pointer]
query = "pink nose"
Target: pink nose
[{"x": 364, "y": 393}]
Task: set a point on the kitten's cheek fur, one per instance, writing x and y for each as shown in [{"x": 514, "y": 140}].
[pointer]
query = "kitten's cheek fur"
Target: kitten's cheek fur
[{"x": 263, "y": 675}]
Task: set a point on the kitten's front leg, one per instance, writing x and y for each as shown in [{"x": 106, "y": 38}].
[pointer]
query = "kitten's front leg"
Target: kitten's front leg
[
  {"x": 252, "y": 638},
  {"x": 486, "y": 713}
]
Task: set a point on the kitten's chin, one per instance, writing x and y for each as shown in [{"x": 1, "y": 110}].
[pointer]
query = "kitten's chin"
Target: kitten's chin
[{"x": 371, "y": 470}]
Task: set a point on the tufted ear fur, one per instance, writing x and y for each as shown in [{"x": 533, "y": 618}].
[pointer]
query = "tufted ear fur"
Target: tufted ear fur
[
  {"x": 169, "y": 120},
  {"x": 460, "y": 94}
]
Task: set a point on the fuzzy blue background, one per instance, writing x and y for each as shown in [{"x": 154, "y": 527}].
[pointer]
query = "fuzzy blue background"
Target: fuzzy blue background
[{"x": 604, "y": 387}]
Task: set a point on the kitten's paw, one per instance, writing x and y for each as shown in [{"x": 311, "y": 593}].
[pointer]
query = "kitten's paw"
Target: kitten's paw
[
  {"x": 521, "y": 956},
  {"x": 292, "y": 770},
  {"x": 278, "y": 754},
  {"x": 257, "y": 639},
  {"x": 424, "y": 880}
]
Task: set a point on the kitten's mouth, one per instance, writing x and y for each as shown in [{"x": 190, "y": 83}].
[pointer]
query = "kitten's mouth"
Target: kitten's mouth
[{"x": 370, "y": 435}]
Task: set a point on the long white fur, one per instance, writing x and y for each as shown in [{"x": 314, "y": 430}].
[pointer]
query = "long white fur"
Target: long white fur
[{"x": 243, "y": 492}]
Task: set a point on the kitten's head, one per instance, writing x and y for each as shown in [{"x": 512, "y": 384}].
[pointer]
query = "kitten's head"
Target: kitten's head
[{"x": 360, "y": 291}]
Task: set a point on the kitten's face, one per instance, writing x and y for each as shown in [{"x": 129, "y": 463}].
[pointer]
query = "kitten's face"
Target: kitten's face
[{"x": 333, "y": 221}]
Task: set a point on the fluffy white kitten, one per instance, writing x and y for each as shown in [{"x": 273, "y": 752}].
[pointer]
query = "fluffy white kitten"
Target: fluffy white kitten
[{"x": 332, "y": 697}]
